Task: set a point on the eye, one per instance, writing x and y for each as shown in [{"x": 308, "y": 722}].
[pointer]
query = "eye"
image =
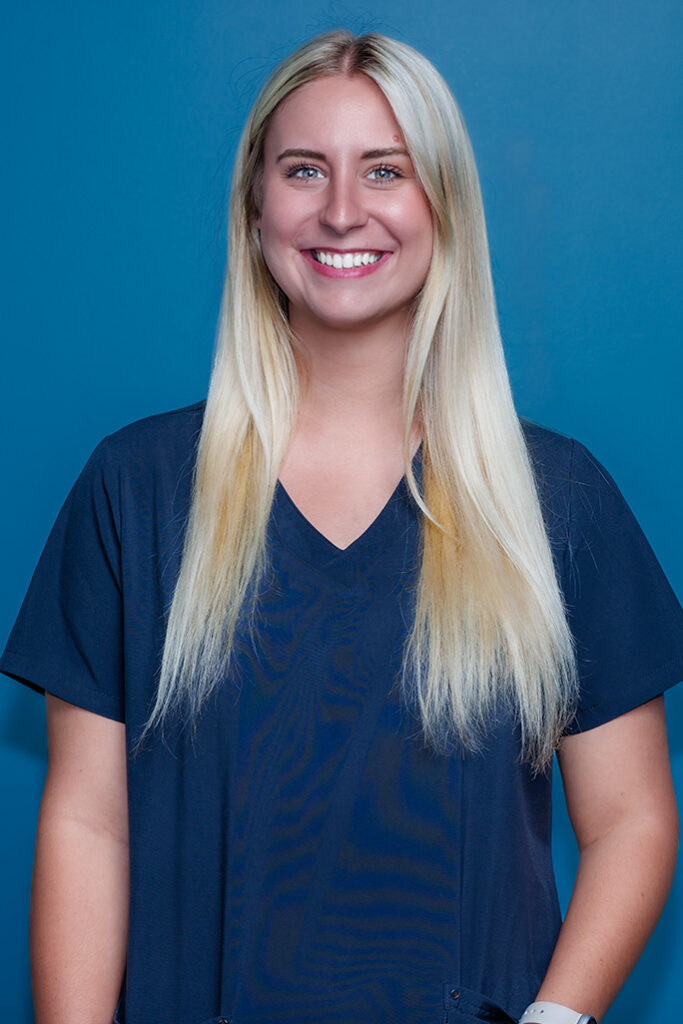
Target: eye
[
  {"x": 304, "y": 172},
  {"x": 385, "y": 173}
]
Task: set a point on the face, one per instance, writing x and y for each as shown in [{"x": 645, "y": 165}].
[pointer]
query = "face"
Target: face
[{"x": 346, "y": 228}]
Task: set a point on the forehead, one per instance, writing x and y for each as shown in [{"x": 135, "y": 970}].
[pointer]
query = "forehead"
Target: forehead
[{"x": 334, "y": 111}]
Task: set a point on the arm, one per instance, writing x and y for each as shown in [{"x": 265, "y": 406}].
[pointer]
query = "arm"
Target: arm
[
  {"x": 621, "y": 803},
  {"x": 79, "y": 896}
]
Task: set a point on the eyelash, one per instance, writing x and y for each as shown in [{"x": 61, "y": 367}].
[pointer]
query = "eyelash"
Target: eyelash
[{"x": 292, "y": 172}]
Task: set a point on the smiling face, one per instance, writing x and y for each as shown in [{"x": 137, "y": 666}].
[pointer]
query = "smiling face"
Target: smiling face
[{"x": 346, "y": 228}]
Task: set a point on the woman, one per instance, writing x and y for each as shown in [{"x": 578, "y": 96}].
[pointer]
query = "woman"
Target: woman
[{"x": 311, "y": 646}]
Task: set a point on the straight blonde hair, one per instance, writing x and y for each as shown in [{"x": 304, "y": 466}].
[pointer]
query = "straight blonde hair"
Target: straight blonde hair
[{"x": 490, "y": 624}]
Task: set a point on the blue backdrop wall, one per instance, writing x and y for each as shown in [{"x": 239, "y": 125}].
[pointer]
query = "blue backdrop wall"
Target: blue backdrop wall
[{"x": 120, "y": 126}]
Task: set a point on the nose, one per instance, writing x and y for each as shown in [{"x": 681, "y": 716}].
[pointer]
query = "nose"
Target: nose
[{"x": 343, "y": 207}]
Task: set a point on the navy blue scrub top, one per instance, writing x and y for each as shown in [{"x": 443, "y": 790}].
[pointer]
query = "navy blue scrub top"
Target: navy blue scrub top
[{"x": 305, "y": 858}]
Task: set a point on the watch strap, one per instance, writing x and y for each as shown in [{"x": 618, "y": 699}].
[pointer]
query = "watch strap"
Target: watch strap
[{"x": 542, "y": 1012}]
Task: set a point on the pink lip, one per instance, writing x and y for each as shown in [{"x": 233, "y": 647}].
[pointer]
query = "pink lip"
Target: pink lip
[{"x": 361, "y": 271}]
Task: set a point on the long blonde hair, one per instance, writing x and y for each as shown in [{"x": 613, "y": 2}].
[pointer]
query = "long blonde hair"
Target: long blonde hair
[{"x": 490, "y": 622}]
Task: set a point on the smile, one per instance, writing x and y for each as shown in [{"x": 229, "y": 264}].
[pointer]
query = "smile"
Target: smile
[
  {"x": 356, "y": 263},
  {"x": 345, "y": 259}
]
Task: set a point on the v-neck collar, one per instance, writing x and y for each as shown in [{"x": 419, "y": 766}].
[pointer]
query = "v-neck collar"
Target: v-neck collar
[{"x": 350, "y": 565}]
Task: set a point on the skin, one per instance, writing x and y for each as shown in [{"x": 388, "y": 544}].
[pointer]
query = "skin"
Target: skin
[
  {"x": 79, "y": 896},
  {"x": 322, "y": 190},
  {"x": 621, "y": 802},
  {"x": 346, "y": 455},
  {"x": 345, "y": 459}
]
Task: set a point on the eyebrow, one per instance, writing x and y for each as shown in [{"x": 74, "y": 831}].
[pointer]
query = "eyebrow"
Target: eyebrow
[{"x": 370, "y": 154}]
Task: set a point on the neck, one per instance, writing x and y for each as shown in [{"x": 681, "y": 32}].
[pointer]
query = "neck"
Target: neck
[{"x": 353, "y": 379}]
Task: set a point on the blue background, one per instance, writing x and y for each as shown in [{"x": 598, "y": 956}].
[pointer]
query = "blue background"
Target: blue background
[{"x": 120, "y": 126}]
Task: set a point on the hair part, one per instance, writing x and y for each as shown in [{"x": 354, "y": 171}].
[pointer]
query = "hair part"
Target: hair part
[{"x": 490, "y": 623}]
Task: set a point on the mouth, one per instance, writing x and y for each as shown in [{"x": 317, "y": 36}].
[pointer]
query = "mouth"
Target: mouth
[
  {"x": 346, "y": 260},
  {"x": 350, "y": 263}
]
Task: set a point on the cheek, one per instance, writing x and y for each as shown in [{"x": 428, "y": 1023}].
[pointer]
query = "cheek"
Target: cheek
[
  {"x": 267, "y": 226},
  {"x": 415, "y": 220},
  {"x": 423, "y": 251},
  {"x": 275, "y": 265},
  {"x": 282, "y": 210},
  {"x": 276, "y": 251},
  {"x": 272, "y": 226}
]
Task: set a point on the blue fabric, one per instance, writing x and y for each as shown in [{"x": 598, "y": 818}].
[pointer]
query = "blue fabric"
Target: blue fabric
[{"x": 304, "y": 858}]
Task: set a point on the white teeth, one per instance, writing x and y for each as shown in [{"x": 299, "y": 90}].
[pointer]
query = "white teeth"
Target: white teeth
[{"x": 347, "y": 259}]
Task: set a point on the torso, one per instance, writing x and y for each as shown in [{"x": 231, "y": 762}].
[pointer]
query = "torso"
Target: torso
[{"x": 303, "y": 856}]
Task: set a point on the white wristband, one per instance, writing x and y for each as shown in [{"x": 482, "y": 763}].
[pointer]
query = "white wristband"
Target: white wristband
[{"x": 553, "y": 1013}]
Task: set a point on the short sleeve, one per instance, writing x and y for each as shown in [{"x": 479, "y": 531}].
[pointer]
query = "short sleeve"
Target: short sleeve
[
  {"x": 67, "y": 638},
  {"x": 626, "y": 621}
]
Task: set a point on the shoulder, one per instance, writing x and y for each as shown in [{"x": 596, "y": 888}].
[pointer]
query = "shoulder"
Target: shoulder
[
  {"x": 157, "y": 448},
  {"x": 575, "y": 490},
  {"x": 559, "y": 458},
  {"x": 163, "y": 435},
  {"x": 551, "y": 451},
  {"x": 146, "y": 465}
]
